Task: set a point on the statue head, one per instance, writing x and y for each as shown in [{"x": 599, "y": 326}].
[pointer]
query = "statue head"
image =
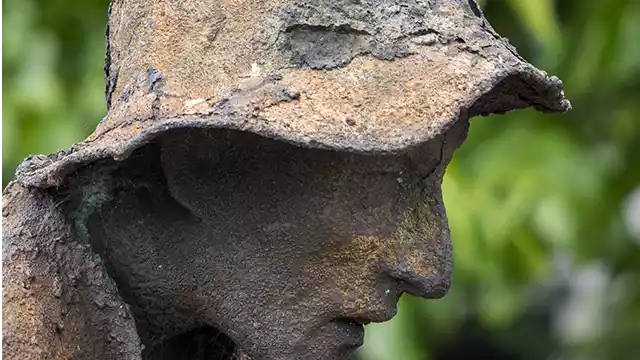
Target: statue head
[
  {"x": 268, "y": 178},
  {"x": 286, "y": 250}
]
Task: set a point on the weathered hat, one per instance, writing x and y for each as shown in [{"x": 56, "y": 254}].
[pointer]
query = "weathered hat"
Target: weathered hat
[{"x": 358, "y": 76}]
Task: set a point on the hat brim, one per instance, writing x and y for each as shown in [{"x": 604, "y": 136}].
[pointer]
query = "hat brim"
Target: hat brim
[{"x": 367, "y": 106}]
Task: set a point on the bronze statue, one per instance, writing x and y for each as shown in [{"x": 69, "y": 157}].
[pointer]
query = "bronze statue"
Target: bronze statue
[{"x": 266, "y": 181}]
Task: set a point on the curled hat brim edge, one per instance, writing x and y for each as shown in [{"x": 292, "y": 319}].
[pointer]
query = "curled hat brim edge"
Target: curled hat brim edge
[{"x": 504, "y": 90}]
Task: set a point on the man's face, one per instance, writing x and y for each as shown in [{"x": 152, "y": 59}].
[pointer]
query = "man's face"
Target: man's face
[{"x": 288, "y": 251}]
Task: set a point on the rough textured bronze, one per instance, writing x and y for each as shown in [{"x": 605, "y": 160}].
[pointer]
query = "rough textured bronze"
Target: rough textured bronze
[{"x": 268, "y": 175}]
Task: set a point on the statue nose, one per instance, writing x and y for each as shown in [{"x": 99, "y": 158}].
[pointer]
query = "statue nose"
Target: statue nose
[
  {"x": 421, "y": 258},
  {"x": 432, "y": 285},
  {"x": 423, "y": 268}
]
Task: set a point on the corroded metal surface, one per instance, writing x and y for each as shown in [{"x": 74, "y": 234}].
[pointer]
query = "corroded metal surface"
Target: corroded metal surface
[{"x": 378, "y": 81}]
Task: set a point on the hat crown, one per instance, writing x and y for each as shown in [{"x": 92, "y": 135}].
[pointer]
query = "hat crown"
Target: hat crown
[{"x": 203, "y": 48}]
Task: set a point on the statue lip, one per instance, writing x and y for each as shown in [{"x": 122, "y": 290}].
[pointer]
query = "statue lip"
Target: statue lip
[
  {"x": 354, "y": 321},
  {"x": 380, "y": 311},
  {"x": 351, "y": 331},
  {"x": 351, "y": 328}
]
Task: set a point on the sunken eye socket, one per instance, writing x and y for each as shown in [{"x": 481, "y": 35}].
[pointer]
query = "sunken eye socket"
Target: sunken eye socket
[
  {"x": 227, "y": 153},
  {"x": 271, "y": 181}
]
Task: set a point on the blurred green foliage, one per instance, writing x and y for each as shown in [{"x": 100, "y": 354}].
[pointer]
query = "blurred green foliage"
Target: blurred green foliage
[{"x": 544, "y": 265}]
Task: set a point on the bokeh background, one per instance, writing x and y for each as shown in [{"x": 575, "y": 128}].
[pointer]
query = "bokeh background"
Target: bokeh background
[{"x": 544, "y": 209}]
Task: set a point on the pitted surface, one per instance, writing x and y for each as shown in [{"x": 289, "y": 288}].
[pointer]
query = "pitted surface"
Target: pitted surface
[{"x": 379, "y": 79}]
